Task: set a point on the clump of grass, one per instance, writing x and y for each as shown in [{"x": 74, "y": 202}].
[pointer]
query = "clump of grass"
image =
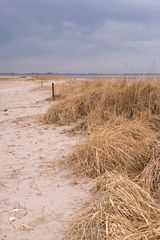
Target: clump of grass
[
  {"x": 154, "y": 123},
  {"x": 126, "y": 146},
  {"x": 97, "y": 101},
  {"x": 74, "y": 107},
  {"x": 122, "y": 211},
  {"x": 150, "y": 176}
]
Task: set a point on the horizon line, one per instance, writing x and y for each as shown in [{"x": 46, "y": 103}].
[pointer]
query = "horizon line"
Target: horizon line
[{"x": 68, "y": 73}]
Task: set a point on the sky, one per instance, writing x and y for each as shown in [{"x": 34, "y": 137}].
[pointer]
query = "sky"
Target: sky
[{"x": 100, "y": 36}]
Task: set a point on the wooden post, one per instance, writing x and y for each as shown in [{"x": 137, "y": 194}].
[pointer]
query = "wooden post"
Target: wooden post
[{"x": 53, "y": 91}]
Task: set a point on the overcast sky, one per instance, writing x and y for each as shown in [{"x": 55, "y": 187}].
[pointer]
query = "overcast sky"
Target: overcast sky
[{"x": 102, "y": 36}]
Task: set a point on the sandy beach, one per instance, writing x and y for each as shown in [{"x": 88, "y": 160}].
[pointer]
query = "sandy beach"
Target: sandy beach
[{"x": 38, "y": 198}]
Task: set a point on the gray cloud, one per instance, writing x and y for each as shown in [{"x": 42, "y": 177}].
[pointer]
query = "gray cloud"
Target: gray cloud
[{"x": 79, "y": 35}]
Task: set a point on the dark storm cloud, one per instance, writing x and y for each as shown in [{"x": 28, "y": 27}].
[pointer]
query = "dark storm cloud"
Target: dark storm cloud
[{"x": 77, "y": 35}]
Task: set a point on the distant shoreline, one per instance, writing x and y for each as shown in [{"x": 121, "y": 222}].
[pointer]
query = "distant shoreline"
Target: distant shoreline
[{"x": 80, "y": 75}]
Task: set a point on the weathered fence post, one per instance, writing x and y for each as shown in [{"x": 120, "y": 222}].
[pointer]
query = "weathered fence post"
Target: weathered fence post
[{"x": 53, "y": 91}]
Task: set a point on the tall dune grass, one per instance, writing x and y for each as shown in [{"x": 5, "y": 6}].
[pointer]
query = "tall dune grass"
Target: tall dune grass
[
  {"x": 123, "y": 211},
  {"x": 99, "y": 100},
  {"x": 149, "y": 178},
  {"x": 121, "y": 151},
  {"x": 126, "y": 147}
]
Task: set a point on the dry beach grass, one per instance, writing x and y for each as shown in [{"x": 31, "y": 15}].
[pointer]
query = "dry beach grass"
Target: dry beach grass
[
  {"x": 121, "y": 210},
  {"x": 126, "y": 147},
  {"x": 121, "y": 119},
  {"x": 98, "y": 101}
]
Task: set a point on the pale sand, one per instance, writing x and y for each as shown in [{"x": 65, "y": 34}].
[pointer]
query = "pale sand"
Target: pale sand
[{"x": 31, "y": 180}]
